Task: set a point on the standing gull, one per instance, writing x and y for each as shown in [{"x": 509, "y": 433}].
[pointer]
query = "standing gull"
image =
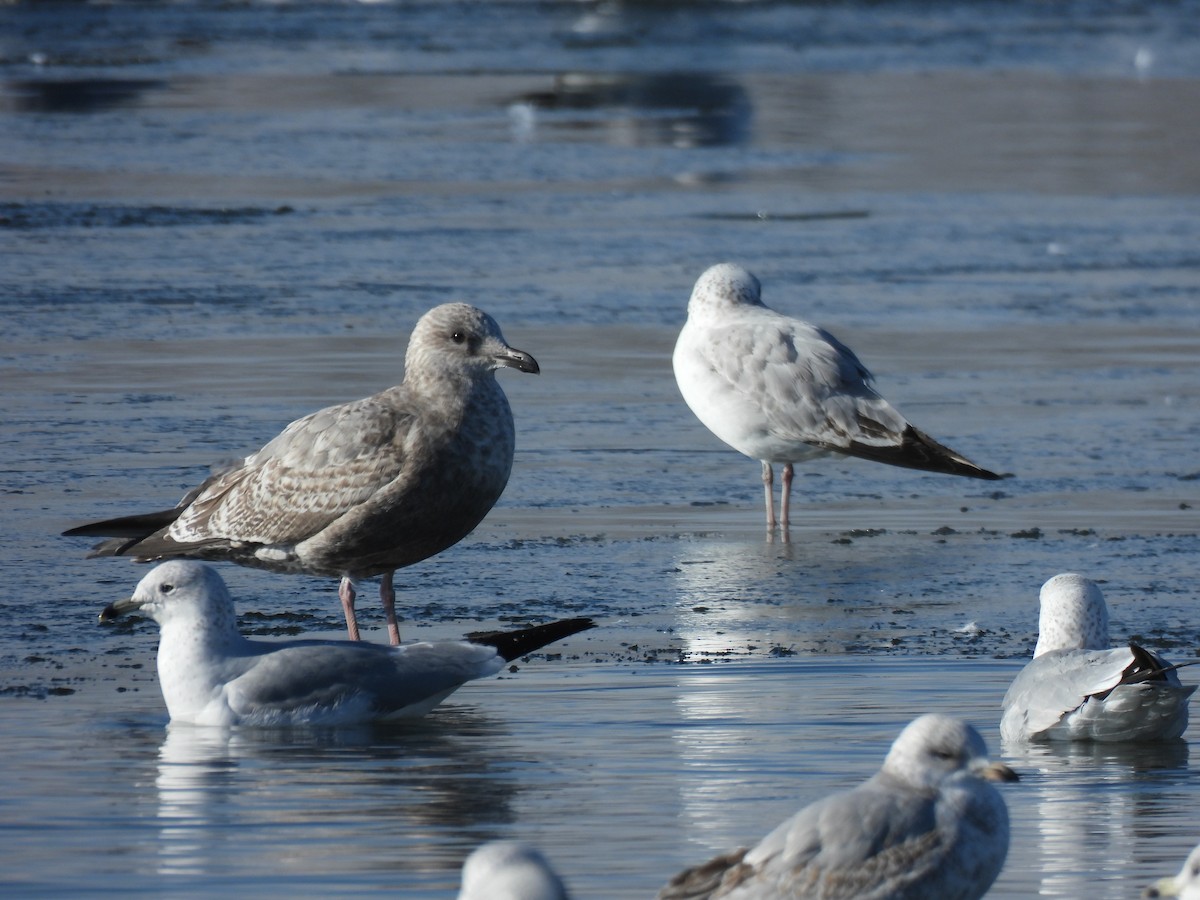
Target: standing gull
[
  {"x": 1078, "y": 689},
  {"x": 210, "y": 674},
  {"x": 509, "y": 870},
  {"x": 927, "y": 824},
  {"x": 783, "y": 391},
  {"x": 360, "y": 489}
]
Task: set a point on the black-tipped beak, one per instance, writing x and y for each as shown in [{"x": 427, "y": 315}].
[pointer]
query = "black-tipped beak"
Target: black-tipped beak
[
  {"x": 998, "y": 771},
  {"x": 118, "y": 609},
  {"x": 520, "y": 360}
]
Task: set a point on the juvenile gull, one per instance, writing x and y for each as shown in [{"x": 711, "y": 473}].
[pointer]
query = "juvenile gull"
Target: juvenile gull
[
  {"x": 1185, "y": 885},
  {"x": 927, "y": 824},
  {"x": 509, "y": 870},
  {"x": 1078, "y": 689},
  {"x": 210, "y": 674},
  {"x": 783, "y": 391},
  {"x": 360, "y": 489}
]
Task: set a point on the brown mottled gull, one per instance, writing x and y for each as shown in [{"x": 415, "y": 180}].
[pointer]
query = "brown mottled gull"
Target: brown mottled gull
[
  {"x": 927, "y": 824},
  {"x": 783, "y": 391},
  {"x": 360, "y": 489}
]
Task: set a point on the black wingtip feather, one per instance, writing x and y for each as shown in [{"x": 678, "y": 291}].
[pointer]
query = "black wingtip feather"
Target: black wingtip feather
[
  {"x": 136, "y": 527},
  {"x": 515, "y": 644},
  {"x": 917, "y": 450}
]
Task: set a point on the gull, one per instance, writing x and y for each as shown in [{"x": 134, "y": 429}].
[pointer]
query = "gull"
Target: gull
[
  {"x": 1185, "y": 885},
  {"x": 210, "y": 674},
  {"x": 783, "y": 391},
  {"x": 360, "y": 489},
  {"x": 927, "y": 824},
  {"x": 509, "y": 870},
  {"x": 1078, "y": 689}
]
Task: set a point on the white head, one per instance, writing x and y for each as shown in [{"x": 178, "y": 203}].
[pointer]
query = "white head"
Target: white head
[
  {"x": 459, "y": 337},
  {"x": 1185, "y": 885},
  {"x": 1073, "y": 616},
  {"x": 181, "y": 591},
  {"x": 509, "y": 870},
  {"x": 724, "y": 287},
  {"x": 933, "y": 748}
]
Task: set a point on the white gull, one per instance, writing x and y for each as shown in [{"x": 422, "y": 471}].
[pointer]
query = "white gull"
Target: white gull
[
  {"x": 783, "y": 391},
  {"x": 509, "y": 870},
  {"x": 927, "y": 824},
  {"x": 210, "y": 674},
  {"x": 360, "y": 489},
  {"x": 1185, "y": 885},
  {"x": 1077, "y": 688}
]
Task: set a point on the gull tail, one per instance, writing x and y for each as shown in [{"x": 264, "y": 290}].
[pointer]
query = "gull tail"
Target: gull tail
[
  {"x": 1149, "y": 666},
  {"x": 917, "y": 450},
  {"x": 126, "y": 531},
  {"x": 513, "y": 644}
]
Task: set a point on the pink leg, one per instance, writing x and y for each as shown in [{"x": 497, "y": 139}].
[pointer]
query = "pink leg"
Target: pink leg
[
  {"x": 768, "y": 478},
  {"x": 785, "y": 495},
  {"x": 346, "y": 593},
  {"x": 387, "y": 596}
]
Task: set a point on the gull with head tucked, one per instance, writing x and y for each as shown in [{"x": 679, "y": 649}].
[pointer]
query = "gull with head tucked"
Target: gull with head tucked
[
  {"x": 509, "y": 870},
  {"x": 1077, "y": 688},
  {"x": 360, "y": 489},
  {"x": 783, "y": 391},
  {"x": 210, "y": 674},
  {"x": 927, "y": 824}
]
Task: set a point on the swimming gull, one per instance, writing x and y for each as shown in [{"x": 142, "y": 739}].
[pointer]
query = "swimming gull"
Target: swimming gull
[
  {"x": 509, "y": 870},
  {"x": 927, "y": 824},
  {"x": 1185, "y": 885},
  {"x": 360, "y": 489},
  {"x": 1078, "y": 689},
  {"x": 210, "y": 674},
  {"x": 783, "y": 391}
]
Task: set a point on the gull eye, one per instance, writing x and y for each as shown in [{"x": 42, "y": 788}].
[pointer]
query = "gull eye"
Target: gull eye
[
  {"x": 167, "y": 588},
  {"x": 458, "y": 337},
  {"x": 942, "y": 754}
]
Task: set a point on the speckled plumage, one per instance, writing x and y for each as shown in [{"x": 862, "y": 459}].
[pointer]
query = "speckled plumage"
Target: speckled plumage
[
  {"x": 211, "y": 675},
  {"x": 363, "y": 488},
  {"x": 783, "y": 391},
  {"x": 509, "y": 870},
  {"x": 926, "y": 825},
  {"x": 1077, "y": 688}
]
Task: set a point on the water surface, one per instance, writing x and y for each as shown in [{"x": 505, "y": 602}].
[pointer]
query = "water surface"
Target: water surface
[{"x": 216, "y": 218}]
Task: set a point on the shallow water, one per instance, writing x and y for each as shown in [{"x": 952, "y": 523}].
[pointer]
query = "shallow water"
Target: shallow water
[{"x": 215, "y": 218}]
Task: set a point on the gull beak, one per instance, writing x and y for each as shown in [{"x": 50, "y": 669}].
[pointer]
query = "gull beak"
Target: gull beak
[
  {"x": 1164, "y": 887},
  {"x": 998, "y": 771},
  {"x": 119, "y": 608},
  {"x": 517, "y": 359}
]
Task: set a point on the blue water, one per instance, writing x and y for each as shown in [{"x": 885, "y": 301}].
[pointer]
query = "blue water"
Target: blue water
[{"x": 215, "y": 218}]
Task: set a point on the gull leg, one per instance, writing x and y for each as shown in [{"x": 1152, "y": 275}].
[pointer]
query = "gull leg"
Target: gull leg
[
  {"x": 387, "y": 596},
  {"x": 346, "y": 595},
  {"x": 785, "y": 495},
  {"x": 768, "y": 479}
]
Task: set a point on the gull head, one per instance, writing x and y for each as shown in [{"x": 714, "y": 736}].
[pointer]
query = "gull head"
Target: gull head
[
  {"x": 178, "y": 590},
  {"x": 722, "y": 288},
  {"x": 935, "y": 748},
  {"x": 1073, "y": 615},
  {"x": 1186, "y": 884},
  {"x": 509, "y": 870},
  {"x": 459, "y": 337}
]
